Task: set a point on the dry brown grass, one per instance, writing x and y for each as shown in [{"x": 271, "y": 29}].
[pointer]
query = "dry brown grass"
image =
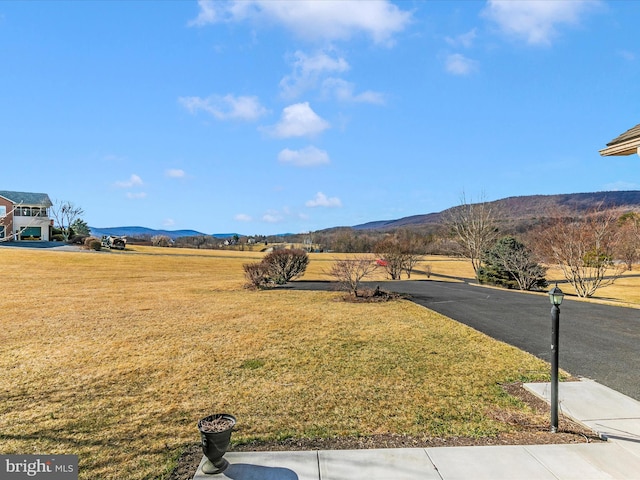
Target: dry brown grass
[
  {"x": 624, "y": 291},
  {"x": 115, "y": 356},
  {"x": 442, "y": 268}
]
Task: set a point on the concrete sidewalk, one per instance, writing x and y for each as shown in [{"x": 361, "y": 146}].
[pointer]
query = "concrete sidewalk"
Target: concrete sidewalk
[{"x": 613, "y": 415}]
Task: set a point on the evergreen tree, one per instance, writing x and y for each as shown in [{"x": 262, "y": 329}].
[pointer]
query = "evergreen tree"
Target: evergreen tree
[
  {"x": 80, "y": 227},
  {"x": 509, "y": 263}
]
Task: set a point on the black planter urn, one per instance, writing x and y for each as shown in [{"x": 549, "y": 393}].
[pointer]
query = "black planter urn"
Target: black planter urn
[{"x": 215, "y": 436}]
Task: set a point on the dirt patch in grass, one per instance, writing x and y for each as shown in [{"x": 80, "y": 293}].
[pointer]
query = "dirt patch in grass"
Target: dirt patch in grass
[{"x": 527, "y": 432}]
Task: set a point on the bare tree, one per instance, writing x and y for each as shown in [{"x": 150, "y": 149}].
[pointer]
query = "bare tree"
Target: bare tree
[
  {"x": 349, "y": 272},
  {"x": 392, "y": 257},
  {"x": 474, "y": 228},
  {"x": 629, "y": 241},
  {"x": 199, "y": 241},
  {"x": 414, "y": 247},
  {"x": 401, "y": 252},
  {"x": 161, "y": 241},
  {"x": 64, "y": 214},
  {"x": 584, "y": 247}
]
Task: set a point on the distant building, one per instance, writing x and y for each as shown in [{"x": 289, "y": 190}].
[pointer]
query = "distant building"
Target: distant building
[
  {"x": 25, "y": 216},
  {"x": 627, "y": 143}
]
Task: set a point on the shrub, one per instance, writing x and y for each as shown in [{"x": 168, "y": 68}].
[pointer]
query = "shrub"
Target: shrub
[
  {"x": 88, "y": 240},
  {"x": 92, "y": 243},
  {"x": 277, "y": 268},
  {"x": 285, "y": 265},
  {"x": 349, "y": 272},
  {"x": 257, "y": 275},
  {"x": 76, "y": 239}
]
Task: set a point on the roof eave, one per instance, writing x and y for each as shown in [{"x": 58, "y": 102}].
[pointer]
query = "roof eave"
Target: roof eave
[{"x": 626, "y": 148}]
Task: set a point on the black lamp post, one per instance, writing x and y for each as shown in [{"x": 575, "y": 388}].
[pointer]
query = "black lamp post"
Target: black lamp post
[{"x": 555, "y": 296}]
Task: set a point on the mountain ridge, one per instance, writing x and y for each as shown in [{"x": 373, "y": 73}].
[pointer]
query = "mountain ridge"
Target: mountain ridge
[
  {"x": 519, "y": 210},
  {"x": 135, "y": 231}
]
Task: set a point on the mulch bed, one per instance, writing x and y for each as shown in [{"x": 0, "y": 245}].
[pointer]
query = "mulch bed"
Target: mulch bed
[
  {"x": 525, "y": 434},
  {"x": 371, "y": 296}
]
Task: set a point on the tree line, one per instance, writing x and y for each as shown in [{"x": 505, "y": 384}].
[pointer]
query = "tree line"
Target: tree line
[{"x": 591, "y": 249}]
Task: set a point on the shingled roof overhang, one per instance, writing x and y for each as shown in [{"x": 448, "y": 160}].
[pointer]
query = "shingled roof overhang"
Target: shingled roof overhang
[
  {"x": 626, "y": 144},
  {"x": 26, "y": 198}
]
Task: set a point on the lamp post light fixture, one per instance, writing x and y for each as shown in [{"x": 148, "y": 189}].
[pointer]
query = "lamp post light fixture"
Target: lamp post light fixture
[{"x": 555, "y": 296}]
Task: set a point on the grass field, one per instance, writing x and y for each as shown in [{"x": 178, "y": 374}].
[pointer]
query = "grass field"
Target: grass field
[{"x": 115, "y": 356}]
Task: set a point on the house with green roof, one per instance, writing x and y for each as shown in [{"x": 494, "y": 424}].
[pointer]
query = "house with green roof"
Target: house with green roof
[{"x": 25, "y": 216}]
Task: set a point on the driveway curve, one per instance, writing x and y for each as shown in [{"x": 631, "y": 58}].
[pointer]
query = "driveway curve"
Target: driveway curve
[{"x": 600, "y": 342}]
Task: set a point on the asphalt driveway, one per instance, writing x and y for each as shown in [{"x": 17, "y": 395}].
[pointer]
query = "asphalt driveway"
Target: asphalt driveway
[{"x": 599, "y": 342}]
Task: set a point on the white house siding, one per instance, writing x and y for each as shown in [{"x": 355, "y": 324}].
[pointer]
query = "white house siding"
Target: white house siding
[{"x": 43, "y": 223}]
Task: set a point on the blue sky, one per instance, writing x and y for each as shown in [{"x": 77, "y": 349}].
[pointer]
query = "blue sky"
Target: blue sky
[{"x": 263, "y": 117}]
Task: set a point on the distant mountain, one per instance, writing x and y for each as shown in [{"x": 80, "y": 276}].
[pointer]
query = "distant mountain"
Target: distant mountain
[
  {"x": 143, "y": 231},
  {"x": 429, "y": 218},
  {"x": 522, "y": 210},
  {"x": 517, "y": 213}
]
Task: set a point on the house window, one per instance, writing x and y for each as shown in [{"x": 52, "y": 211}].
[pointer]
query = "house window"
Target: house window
[
  {"x": 1, "y": 231},
  {"x": 3, "y": 211}
]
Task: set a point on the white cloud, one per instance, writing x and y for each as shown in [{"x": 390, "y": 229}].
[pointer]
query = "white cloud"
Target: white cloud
[
  {"x": 458, "y": 64},
  {"x": 242, "y": 217},
  {"x": 298, "y": 120},
  {"x": 536, "y": 21},
  {"x": 272, "y": 217},
  {"x": 344, "y": 91},
  {"x": 321, "y": 200},
  {"x": 308, "y": 70},
  {"x": 279, "y": 216},
  {"x": 136, "y": 195},
  {"x": 463, "y": 40},
  {"x": 206, "y": 15},
  {"x": 175, "y": 173},
  {"x": 312, "y": 20},
  {"x": 228, "y": 107},
  {"x": 627, "y": 55},
  {"x": 168, "y": 222},
  {"x": 134, "y": 180},
  {"x": 306, "y": 157}
]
